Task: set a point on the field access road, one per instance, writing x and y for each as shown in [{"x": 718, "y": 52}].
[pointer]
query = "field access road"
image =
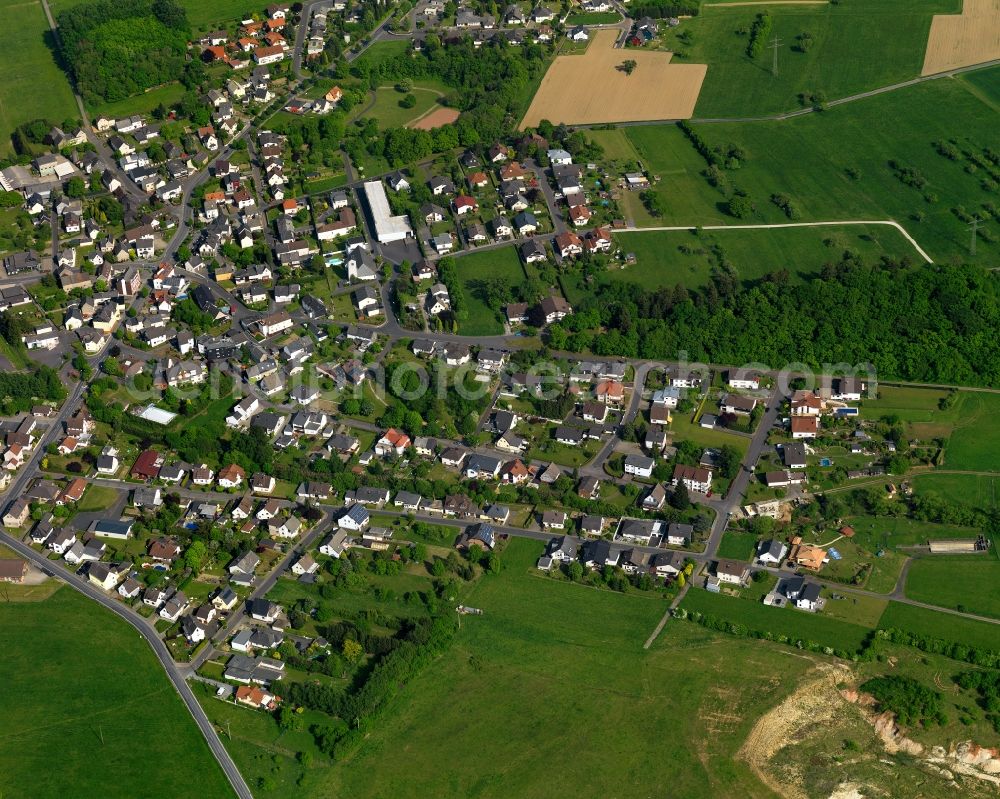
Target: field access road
[
  {"x": 851, "y": 97},
  {"x": 159, "y": 648},
  {"x": 777, "y": 225}
]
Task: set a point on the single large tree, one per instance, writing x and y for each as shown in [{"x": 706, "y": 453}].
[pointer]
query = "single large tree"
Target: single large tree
[{"x": 680, "y": 498}]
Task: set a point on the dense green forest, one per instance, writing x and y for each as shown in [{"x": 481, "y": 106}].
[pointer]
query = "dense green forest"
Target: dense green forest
[
  {"x": 117, "y": 48},
  {"x": 662, "y": 9},
  {"x": 19, "y": 391},
  {"x": 935, "y": 324}
]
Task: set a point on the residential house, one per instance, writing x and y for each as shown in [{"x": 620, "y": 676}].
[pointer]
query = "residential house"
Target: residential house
[
  {"x": 694, "y": 478},
  {"x": 733, "y": 572},
  {"x": 639, "y": 466}
]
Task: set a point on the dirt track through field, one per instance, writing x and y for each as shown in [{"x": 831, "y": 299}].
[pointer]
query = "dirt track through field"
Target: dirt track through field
[
  {"x": 589, "y": 88},
  {"x": 960, "y": 40}
]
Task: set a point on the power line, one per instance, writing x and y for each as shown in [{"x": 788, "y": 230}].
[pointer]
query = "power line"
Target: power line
[
  {"x": 974, "y": 228},
  {"x": 775, "y": 44}
]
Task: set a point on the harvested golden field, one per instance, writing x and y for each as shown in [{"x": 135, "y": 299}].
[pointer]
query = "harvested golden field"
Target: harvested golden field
[
  {"x": 960, "y": 40},
  {"x": 590, "y": 88},
  {"x": 435, "y": 118}
]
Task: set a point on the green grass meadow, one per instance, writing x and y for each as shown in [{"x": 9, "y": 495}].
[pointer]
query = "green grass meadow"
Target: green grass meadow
[
  {"x": 615, "y": 142},
  {"x": 666, "y": 258},
  {"x": 475, "y": 268},
  {"x": 968, "y": 583},
  {"x": 975, "y": 440},
  {"x": 875, "y": 532},
  {"x": 381, "y": 52},
  {"x": 867, "y": 135},
  {"x": 33, "y": 87},
  {"x": 908, "y": 403},
  {"x": 969, "y": 425},
  {"x": 88, "y": 710},
  {"x": 855, "y": 45},
  {"x": 835, "y": 165},
  {"x": 970, "y": 428},
  {"x": 168, "y": 95},
  {"x": 796, "y": 624},
  {"x": 210, "y": 14},
  {"x": 387, "y": 110},
  {"x": 686, "y": 197},
  {"x": 551, "y": 669},
  {"x": 974, "y": 490},
  {"x": 985, "y": 84}
]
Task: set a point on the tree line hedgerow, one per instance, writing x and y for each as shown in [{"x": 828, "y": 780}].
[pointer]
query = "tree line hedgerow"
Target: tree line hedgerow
[
  {"x": 663, "y": 9},
  {"x": 977, "y": 656},
  {"x": 760, "y": 30}
]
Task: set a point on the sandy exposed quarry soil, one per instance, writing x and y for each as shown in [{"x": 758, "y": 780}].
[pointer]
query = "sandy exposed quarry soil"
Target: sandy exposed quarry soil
[{"x": 819, "y": 703}]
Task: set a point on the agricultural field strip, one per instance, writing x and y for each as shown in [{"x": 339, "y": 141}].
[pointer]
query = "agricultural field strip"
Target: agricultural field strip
[
  {"x": 830, "y": 104},
  {"x": 593, "y": 88}
]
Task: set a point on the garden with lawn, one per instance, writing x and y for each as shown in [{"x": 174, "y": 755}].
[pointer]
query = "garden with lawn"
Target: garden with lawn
[{"x": 475, "y": 270}]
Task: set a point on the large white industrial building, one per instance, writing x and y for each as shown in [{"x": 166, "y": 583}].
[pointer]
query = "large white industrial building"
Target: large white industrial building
[{"x": 388, "y": 228}]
